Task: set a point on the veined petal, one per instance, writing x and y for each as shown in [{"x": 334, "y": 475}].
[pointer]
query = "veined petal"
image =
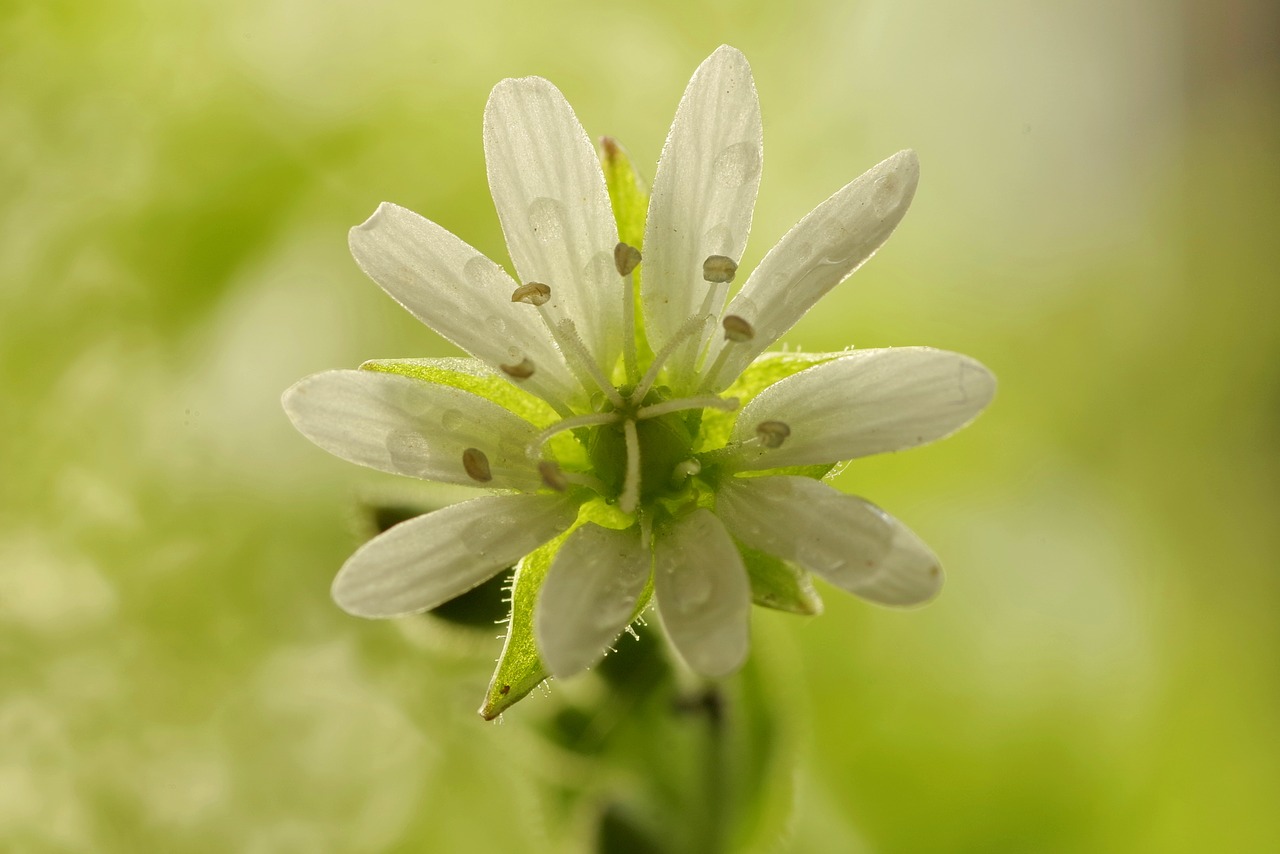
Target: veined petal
[
  {"x": 821, "y": 251},
  {"x": 428, "y": 560},
  {"x": 406, "y": 426},
  {"x": 549, "y": 190},
  {"x": 461, "y": 294},
  {"x": 848, "y": 541},
  {"x": 703, "y": 195},
  {"x": 867, "y": 402},
  {"x": 703, "y": 593},
  {"x": 589, "y": 596}
]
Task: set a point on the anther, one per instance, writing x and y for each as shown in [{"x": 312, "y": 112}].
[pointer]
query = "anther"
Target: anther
[
  {"x": 626, "y": 258},
  {"x": 476, "y": 465},
  {"x": 552, "y": 476},
  {"x": 719, "y": 269},
  {"x": 737, "y": 329},
  {"x": 522, "y": 370},
  {"x": 772, "y": 433},
  {"x": 534, "y": 293}
]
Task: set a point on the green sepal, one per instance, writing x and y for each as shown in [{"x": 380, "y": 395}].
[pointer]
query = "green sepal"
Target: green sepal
[
  {"x": 519, "y": 669},
  {"x": 780, "y": 585},
  {"x": 474, "y": 376},
  {"x": 627, "y": 192},
  {"x": 767, "y": 369}
]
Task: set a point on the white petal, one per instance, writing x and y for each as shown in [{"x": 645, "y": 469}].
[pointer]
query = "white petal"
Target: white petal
[
  {"x": 867, "y": 402},
  {"x": 459, "y": 293},
  {"x": 406, "y": 426},
  {"x": 549, "y": 190},
  {"x": 589, "y": 596},
  {"x": 428, "y": 560},
  {"x": 848, "y": 541},
  {"x": 704, "y": 192},
  {"x": 703, "y": 593},
  {"x": 816, "y": 255}
]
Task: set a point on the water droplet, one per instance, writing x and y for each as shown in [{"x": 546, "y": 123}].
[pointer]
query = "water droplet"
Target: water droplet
[
  {"x": 497, "y": 324},
  {"x": 546, "y": 218},
  {"x": 737, "y": 164},
  {"x": 451, "y": 419},
  {"x": 887, "y": 195},
  {"x": 693, "y": 590},
  {"x": 484, "y": 275},
  {"x": 600, "y": 270},
  {"x": 409, "y": 452}
]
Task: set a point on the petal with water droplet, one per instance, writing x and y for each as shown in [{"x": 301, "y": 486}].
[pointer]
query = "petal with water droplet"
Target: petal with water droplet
[
  {"x": 821, "y": 251},
  {"x": 428, "y": 560},
  {"x": 703, "y": 593},
  {"x": 589, "y": 596},
  {"x": 847, "y": 540},
  {"x": 867, "y": 402},
  {"x": 703, "y": 195},
  {"x": 549, "y": 189},
  {"x": 459, "y": 293},
  {"x": 411, "y": 427}
]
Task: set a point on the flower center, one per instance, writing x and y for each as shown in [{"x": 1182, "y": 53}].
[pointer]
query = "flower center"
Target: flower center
[{"x": 662, "y": 443}]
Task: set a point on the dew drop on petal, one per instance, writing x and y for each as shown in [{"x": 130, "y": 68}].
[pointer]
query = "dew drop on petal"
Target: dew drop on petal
[
  {"x": 497, "y": 324},
  {"x": 546, "y": 218},
  {"x": 886, "y": 195},
  {"x": 408, "y": 451},
  {"x": 737, "y": 164},
  {"x": 451, "y": 419},
  {"x": 484, "y": 275}
]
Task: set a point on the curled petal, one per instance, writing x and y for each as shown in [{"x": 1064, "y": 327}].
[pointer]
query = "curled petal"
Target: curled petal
[
  {"x": 846, "y": 540},
  {"x": 406, "y": 426},
  {"x": 428, "y": 560},
  {"x": 703, "y": 593},
  {"x": 589, "y": 596},
  {"x": 867, "y": 402}
]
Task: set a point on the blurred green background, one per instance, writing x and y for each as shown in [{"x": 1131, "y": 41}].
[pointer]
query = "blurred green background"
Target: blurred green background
[{"x": 1096, "y": 222}]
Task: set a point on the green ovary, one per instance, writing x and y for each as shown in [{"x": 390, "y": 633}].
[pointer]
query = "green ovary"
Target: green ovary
[{"x": 665, "y": 442}]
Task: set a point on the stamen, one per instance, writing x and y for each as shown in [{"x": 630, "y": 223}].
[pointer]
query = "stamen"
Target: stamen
[
  {"x": 520, "y": 371},
  {"x": 534, "y": 293},
  {"x": 476, "y": 465},
  {"x": 728, "y": 404},
  {"x": 719, "y": 269},
  {"x": 591, "y": 419},
  {"x": 772, "y": 433},
  {"x": 737, "y": 329},
  {"x": 552, "y": 476},
  {"x": 570, "y": 338},
  {"x": 690, "y": 328},
  {"x": 631, "y": 486},
  {"x": 626, "y": 258}
]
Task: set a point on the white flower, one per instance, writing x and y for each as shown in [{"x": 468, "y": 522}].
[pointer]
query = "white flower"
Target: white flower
[{"x": 634, "y": 445}]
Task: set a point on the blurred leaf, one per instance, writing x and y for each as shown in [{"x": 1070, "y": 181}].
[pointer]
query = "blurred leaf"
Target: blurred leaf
[
  {"x": 767, "y": 369},
  {"x": 627, "y": 192}
]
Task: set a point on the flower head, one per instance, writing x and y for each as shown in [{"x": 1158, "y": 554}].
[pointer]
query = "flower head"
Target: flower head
[{"x": 637, "y": 440}]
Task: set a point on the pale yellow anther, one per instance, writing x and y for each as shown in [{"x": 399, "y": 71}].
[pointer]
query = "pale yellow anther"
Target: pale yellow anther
[
  {"x": 522, "y": 370},
  {"x": 772, "y": 433},
  {"x": 626, "y": 258},
  {"x": 737, "y": 329},
  {"x": 552, "y": 476},
  {"x": 534, "y": 293},
  {"x": 719, "y": 269},
  {"x": 476, "y": 465}
]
